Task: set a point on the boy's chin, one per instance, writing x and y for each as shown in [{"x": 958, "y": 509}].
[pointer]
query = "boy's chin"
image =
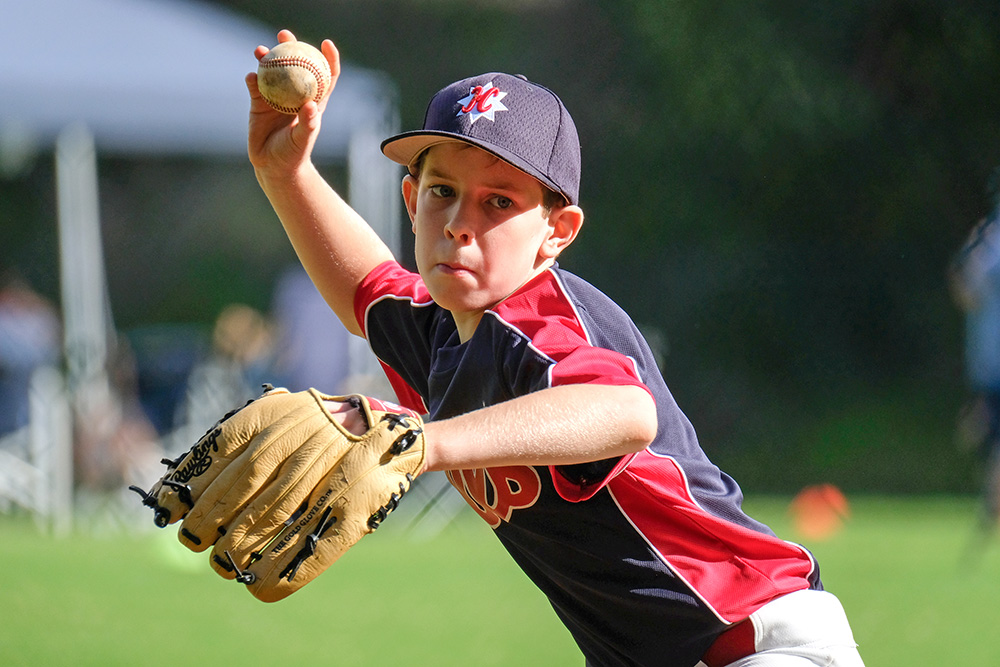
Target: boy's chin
[
  {"x": 459, "y": 307},
  {"x": 461, "y": 303}
]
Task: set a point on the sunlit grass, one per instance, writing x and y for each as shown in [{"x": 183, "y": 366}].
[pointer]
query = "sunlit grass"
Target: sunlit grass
[{"x": 915, "y": 591}]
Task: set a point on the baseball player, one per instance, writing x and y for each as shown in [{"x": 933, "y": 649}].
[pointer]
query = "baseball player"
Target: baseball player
[
  {"x": 541, "y": 399},
  {"x": 974, "y": 279}
]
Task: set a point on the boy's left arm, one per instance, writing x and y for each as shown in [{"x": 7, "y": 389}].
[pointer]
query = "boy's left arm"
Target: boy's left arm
[{"x": 560, "y": 425}]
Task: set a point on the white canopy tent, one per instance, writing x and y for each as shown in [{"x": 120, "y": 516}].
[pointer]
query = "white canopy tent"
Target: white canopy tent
[
  {"x": 153, "y": 77},
  {"x": 157, "y": 78}
]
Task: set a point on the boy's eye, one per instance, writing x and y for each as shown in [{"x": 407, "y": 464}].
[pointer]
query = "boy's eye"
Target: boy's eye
[
  {"x": 502, "y": 202},
  {"x": 441, "y": 190}
]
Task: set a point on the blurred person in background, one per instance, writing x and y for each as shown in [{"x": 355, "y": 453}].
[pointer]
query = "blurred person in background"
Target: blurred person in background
[
  {"x": 239, "y": 363},
  {"x": 114, "y": 440},
  {"x": 30, "y": 334},
  {"x": 311, "y": 348},
  {"x": 974, "y": 279}
]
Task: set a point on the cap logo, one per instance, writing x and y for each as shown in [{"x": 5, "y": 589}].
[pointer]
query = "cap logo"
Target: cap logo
[{"x": 482, "y": 101}]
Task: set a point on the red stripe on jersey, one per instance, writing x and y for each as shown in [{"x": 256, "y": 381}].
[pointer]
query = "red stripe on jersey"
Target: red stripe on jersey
[
  {"x": 543, "y": 312},
  {"x": 734, "y": 570},
  {"x": 406, "y": 395}
]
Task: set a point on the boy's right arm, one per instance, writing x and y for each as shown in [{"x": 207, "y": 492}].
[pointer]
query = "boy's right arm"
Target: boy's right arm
[{"x": 336, "y": 246}]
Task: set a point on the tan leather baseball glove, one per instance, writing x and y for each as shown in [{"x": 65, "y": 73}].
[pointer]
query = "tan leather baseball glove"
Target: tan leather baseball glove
[{"x": 280, "y": 488}]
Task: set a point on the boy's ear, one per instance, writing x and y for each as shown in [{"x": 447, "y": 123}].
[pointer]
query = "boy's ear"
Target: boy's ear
[
  {"x": 411, "y": 187},
  {"x": 564, "y": 224}
]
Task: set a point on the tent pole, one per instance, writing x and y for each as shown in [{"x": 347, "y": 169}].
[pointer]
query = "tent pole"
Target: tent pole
[
  {"x": 81, "y": 257},
  {"x": 84, "y": 293}
]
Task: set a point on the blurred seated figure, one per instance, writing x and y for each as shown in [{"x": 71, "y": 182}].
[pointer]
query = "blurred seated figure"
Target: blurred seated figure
[
  {"x": 238, "y": 364},
  {"x": 29, "y": 339}
]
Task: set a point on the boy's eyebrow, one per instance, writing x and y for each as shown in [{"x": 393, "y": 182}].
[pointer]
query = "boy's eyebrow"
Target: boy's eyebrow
[
  {"x": 498, "y": 184},
  {"x": 436, "y": 173}
]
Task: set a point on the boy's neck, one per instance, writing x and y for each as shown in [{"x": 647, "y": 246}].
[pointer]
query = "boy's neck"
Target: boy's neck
[{"x": 467, "y": 322}]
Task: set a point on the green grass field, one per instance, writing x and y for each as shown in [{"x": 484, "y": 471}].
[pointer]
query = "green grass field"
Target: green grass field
[{"x": 899, "y": 565}]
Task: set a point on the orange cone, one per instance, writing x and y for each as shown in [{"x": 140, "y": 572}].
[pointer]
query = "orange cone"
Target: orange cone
[{"x": 819, "y": 511}]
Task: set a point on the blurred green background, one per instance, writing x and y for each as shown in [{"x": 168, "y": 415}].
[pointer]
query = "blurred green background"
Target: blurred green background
[{"x": 773, "y": 191}]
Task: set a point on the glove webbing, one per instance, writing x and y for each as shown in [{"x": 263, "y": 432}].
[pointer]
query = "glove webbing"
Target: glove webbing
[{"x": 161, "y": 517}]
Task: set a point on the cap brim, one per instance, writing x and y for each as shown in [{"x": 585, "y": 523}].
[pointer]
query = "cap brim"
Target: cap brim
[{"x": 406, "y": 147}]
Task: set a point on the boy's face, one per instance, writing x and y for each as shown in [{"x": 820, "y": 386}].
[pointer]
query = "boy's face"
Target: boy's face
[{"x": 481, "y": 229}]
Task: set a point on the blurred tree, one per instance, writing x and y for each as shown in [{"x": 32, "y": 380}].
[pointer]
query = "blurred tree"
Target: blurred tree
[{"x": 773, "y": 190}]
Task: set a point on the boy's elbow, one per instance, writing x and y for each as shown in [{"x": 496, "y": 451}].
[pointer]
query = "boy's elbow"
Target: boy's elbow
[{"x": 642, "y": 420}]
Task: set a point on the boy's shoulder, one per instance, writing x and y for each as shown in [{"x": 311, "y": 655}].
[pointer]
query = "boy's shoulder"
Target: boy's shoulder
[
  {"x": 560, "y": 299},
  {"x": 592, "y": 299}
]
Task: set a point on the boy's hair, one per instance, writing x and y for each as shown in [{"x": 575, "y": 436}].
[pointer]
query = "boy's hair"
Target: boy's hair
[
  {"x": 518, "y": 121},
  {"x": 550, "y": 198}
]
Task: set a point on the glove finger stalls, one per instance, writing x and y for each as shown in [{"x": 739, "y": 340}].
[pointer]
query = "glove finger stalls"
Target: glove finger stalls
[
  {"x": 187, "y": 477},
  {"x": 306, "y": 548},
  {"x": 180, "y": 489},
  {"x": 236, "y": 551},
  {"x": 280, "y": 505},
  {"x": 277, "y": 458}
]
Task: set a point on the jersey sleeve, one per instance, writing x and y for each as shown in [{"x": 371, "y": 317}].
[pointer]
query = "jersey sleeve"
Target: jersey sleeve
[
  {"x": 589, "y": 364},
  {"x": 395, "y": 313},
  {"x": 579, "y": 349}
]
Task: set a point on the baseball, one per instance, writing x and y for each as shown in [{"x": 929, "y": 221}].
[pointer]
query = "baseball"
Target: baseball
[{"x": 291, "y": 74}]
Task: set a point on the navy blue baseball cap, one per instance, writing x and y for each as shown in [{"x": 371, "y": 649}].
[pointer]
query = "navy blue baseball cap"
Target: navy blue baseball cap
[{"x": 520, "y": 122}]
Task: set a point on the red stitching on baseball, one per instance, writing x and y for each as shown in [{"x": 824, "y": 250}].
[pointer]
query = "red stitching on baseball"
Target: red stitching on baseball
[{"x": 299, "y": 61}]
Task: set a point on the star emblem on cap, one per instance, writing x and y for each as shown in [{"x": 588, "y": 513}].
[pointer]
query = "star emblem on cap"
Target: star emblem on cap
[{"x": 482, "y": 102}]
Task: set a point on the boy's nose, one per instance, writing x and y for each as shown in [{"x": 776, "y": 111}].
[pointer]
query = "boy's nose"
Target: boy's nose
[
  {"x": 459, "y": 226},
  {"x": 458, "y": 232}
]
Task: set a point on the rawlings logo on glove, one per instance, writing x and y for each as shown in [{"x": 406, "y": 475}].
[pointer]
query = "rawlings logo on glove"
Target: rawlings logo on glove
[{"x": 281, "y": 488}]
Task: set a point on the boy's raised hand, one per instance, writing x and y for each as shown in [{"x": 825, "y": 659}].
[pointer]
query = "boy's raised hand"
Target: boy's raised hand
[{"x": 281, "y": 141}]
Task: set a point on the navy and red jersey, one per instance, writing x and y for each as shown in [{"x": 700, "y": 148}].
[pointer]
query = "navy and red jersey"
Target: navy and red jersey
[{"x": 646, "y": 558}]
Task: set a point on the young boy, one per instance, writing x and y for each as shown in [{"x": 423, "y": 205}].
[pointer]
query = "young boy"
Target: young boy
[{"x": 543, "y": 401}]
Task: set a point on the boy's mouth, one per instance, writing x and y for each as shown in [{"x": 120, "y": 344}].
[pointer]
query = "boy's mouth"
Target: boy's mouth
[{"x": 454, "y": 269}]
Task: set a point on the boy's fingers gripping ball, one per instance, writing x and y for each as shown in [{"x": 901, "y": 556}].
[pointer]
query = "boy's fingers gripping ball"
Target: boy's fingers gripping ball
[{"x": 291, "y": 74}]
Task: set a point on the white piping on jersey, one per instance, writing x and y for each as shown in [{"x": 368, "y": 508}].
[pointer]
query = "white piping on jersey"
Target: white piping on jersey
[
  {"x": 693, "y": 499},
  {"x": 666, "y": 561},
  {"x": 394, "y": 297},
  {"x": 580, "y": 321},
  {"x": 576, "y": 313},
  {"x": 690, "y": 496},
  {"x": 569, "y": 301},
  {"x": 635, "y": 367}
]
